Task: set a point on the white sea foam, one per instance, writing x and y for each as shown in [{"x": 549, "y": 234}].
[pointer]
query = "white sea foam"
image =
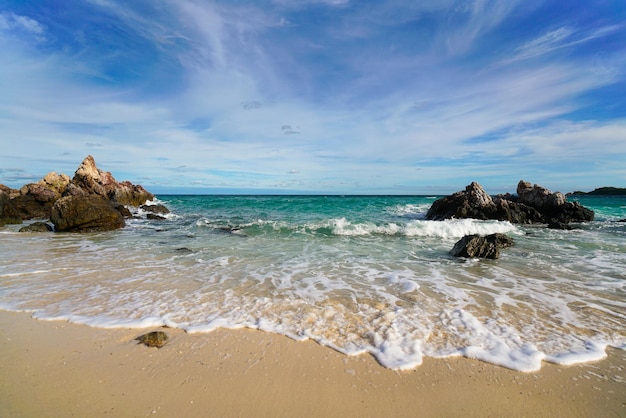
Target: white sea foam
[{"x": 454, "y": 228}]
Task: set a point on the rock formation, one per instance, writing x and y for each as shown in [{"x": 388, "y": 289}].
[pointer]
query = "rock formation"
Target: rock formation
[
  {"x": 90, "y": 201},
  {"x": 533, "y": 204}
]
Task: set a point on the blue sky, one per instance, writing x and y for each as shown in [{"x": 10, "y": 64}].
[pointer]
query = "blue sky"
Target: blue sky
[{"x": 331, "y": 96}]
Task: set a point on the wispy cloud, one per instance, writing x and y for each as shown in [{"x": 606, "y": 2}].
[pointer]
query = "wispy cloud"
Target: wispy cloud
[
  {"x": 244, "y": 95},
  {"x": 562, "y": 37},
  {"x": 12, "y": 22}
]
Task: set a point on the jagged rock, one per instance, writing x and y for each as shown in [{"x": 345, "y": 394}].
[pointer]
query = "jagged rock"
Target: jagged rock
[
  {"x": 473, "y": 202},
  {"x": 130, "y": 194},
  {"x": 515, "y": 212},
  {"x": 153, "y": 339},
  {"x": 37, "y": 227},
  {"x": 9, "y": 214},
  {"x": 476, "y": 246},
  {"x": 35, "y": 200},
  {"x": 95, "y": 181},
  {"x": 7, "y": 189},
  {"x": 554, "y": 206},
  {"x": 534, "y": 204},
  {"x": 85, "y": 214},
  {"x": 155, "y": 217},
  {"x": 538, "y": 197},
  {"x": 155, "y": 208}
]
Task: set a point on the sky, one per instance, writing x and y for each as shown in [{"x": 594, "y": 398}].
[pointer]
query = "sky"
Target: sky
[{"x": 316, "y": 96}]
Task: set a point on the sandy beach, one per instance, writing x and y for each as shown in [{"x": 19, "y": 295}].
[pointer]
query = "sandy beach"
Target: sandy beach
[{"x": 57, "y": 369}]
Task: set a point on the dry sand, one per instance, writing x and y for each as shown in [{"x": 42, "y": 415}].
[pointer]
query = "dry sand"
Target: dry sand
[{"x": 57, "y": 369}]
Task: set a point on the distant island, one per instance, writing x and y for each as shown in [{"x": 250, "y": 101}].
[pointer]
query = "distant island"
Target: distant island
[{"x": 602, "y": 191}]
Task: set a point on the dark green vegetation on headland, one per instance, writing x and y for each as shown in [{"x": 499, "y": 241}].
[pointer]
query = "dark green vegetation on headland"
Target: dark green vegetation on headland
[{"x": 603, "y": 191}]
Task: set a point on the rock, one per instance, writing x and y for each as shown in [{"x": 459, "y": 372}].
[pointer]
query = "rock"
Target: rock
[
  {"x": 37, "y": 227},
  {"x": 155, "y": 208},
  {"x": 123, "y": 210},
  {"x": 515, "y": 212},
  {"x": 91, "y": 179},
  {"x": 153, "y": 339},
  {"x": 35, "y": 200},
  {"x": 534, "y": 204},
  {"x": 155, "y": 217},
  {"x": 127, "y": 193},
  {"x": 538, "y": 197},
  {"x": 559, "y": 225},
  {"x": 7, "y": 189},
  {"x": 9, "y": 214},
  {"x": 473, "y": 202},
  {"x": 554, "y": 206},
  {"x": 476, "y": 246},
  {"x": 85, "y": 214}
]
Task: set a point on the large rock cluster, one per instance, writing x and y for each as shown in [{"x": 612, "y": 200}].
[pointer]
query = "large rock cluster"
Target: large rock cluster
[
  {"x": 90, "y": 201},
  {"x": 532, "y": 204}
]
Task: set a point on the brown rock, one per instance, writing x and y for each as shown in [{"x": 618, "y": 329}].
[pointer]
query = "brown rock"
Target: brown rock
[
  {"x": 127, "y": 193},
  {"x": 37, "y": 227},
  {"x": 85, "y": 214},
  {"x": 93, "y": 180},
  {"x": 153, "y": 339},
  {"x": 155, "y": 208},
  {"x": 9, "y": 214}
]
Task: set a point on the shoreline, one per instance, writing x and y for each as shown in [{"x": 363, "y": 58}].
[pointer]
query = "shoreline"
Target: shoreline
[{"x": 54, "y": 368}]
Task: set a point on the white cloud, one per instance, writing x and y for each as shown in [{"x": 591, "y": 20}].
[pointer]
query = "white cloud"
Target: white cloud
[
  {"x": 474, "y": 19},
  {"x": 10, "y": 22},
  {"x": 562, "y": 37},
  {"x": 366, "y": 119}
]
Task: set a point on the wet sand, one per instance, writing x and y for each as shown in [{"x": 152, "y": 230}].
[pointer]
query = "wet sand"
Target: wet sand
[{"x": 57, "y": 369}]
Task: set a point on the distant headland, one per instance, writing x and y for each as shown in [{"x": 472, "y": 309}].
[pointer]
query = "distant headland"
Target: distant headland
[{"x": 602, "y": 191}]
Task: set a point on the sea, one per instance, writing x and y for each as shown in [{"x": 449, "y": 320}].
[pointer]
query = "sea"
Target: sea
[{"x": 357, "y": 274}]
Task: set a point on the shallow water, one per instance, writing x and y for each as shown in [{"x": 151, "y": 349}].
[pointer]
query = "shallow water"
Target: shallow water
[{"x": 358, "y": 274}]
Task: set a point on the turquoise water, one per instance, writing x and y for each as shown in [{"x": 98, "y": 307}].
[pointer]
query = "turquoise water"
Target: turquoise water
[{"x": 359, "y": 274}]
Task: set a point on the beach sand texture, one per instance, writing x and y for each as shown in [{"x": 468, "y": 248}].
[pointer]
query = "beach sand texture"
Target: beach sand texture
[{"x": 58, "y": 369}]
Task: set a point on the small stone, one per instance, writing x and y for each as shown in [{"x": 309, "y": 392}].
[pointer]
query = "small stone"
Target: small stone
[{"x": 153, "y": 339}]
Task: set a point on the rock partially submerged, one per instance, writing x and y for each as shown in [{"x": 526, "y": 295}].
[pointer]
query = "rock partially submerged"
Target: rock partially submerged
[
  {"x": 37, "y": 227},
  {"x": 85, "y": 214},
  {"x": 153, "y": 339},
  {"x": 158, "y": 208},
  {"x": 476, "y": 246},
  {"x": 533, "y": 204}
]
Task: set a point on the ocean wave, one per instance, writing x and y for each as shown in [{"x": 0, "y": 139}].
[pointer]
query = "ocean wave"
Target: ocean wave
[{"x": 453, "y": 228}]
